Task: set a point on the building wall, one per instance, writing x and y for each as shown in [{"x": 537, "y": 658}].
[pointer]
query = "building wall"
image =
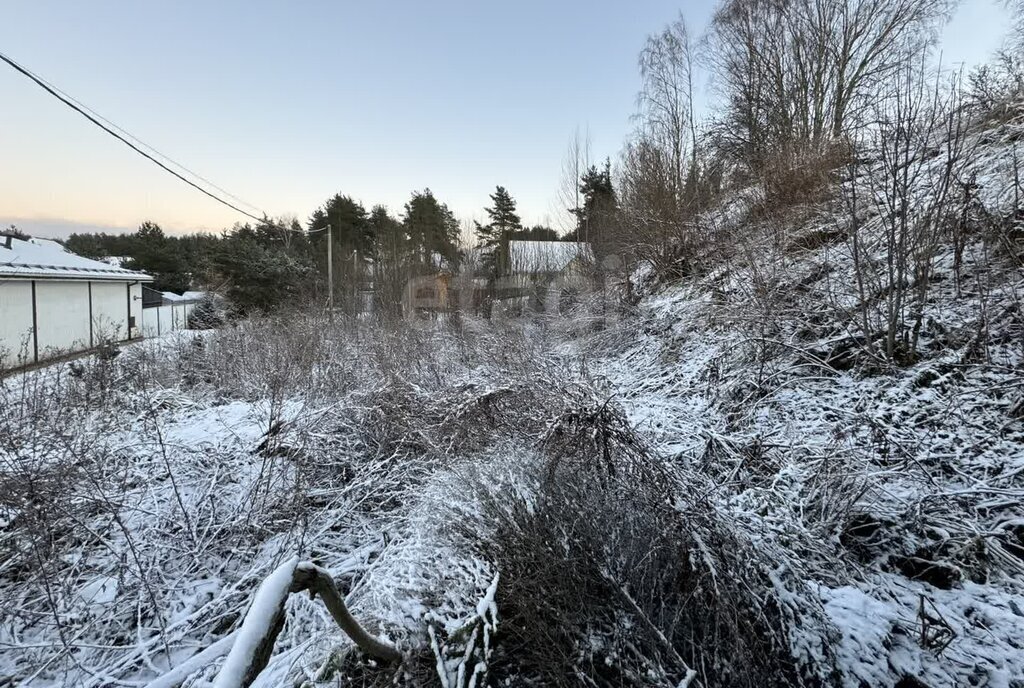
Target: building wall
[
  {"x": 155, "y": 320},
  {"x": 429, "y": 292},
  {"x": 181, "y": 314},
  {"x": 71, "y": 315},
  {"x": 135, "y": 291},
  {"x": 16, "y": 346},
  {"x": 109, "y": 311},
  {"x": 62, "y": 316}
]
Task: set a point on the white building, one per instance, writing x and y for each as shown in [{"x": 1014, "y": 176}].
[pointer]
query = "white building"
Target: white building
[
  {"x": 544, "y": 257},
  {"x": 53, "y": 302}
]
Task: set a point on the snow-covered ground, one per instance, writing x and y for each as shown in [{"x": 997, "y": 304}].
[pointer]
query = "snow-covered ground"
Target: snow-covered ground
[
  {"x": 895, "y": 491},
  {"x": 709, "y": 491},
  {"x": 146, "y": 498},
  {"x": 898, "y": 494}
]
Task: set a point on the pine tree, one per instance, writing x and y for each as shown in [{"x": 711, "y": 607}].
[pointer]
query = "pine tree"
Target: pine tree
[
  {"x": 16, "y": 233},
  {"x": 431, "y": 230},
  {"x": 493, "y": 238},
  {"x": 535, "y": 233},
  {"x": 349, "y": 226},
  {"x": 259, "y": 277},
  {"x": 392, "y": 260},
  {"x": 352, "y": 244},
  {"x": 596, "y": 222},
  {"x": 503, "y": 213},
  {"x": 503, "y": 219},
  {"x": 158, "y": 255}
]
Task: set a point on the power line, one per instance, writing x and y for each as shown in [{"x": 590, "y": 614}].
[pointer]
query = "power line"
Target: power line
[
  {"x": 96, "y": 118},
  {"x": 151, "y": 148}
]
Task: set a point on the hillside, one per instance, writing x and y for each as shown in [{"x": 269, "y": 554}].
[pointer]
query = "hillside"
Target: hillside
[{"x": 886, "y": 497}]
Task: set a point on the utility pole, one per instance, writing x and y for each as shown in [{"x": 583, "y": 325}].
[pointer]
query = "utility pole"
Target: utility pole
[
  {"x": 330, "y": 275},
  {"x": 356, "y": 304}
]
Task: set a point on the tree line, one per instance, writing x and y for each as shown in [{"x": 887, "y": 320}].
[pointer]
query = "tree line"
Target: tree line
[{"x": 262, "y": 265}]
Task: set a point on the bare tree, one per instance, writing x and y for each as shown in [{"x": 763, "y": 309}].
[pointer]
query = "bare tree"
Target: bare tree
[
  {"x": 660, "y": 177},
  {"x": 794, "y": 73},
  {"x": 666, "y": 99},
  {"x": 576, "y": 161},
  {"x": 900, "y": 209},
  {"x": 649, "y": 205}
]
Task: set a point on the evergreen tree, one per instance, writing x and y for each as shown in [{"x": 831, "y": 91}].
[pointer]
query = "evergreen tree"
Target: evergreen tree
[
  {"x": 13, "y": 231},
  {"x": 258, "y": 266},
  {"x": 350, "y": 227},
  {"x": 535, "y": 233},
  {"x": 89, "y": 245},
  {"x": 352, "y": 246},
  {"x": 258, "y": 277},
  {"x": 432, "y": 231},
  {"x": 283, "y": 233},
  {"x": 150, "y": 231},
  {"x": 596, "y": 220},
  {"x": 503, "y": 219},
  {"x": 598, "y": 194},
  {"x": 391, "y": 267},
  {"x": 493, "y": 238},
  {"x": 160, "y": 257},
  {"x": 503, "y": 212}
]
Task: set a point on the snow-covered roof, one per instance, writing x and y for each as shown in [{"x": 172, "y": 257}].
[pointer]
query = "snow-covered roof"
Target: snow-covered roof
[
  {"x": 545, "y": 256},
  {"x": 186, "y": 297},
  {"x": 116, "y": 261},
  {"x": 44, "y": 258}
]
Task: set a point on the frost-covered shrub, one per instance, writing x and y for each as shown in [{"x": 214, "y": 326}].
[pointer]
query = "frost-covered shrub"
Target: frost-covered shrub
[
  {"x": 997, "y": 88},
  {"x": 614, "y": 571},
  {"x": 800, "y": 174}
]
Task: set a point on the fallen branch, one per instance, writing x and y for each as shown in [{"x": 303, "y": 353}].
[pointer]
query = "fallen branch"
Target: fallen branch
[
  {"x": 255, "y": 640},
  {"x": 318, "y": 581}
]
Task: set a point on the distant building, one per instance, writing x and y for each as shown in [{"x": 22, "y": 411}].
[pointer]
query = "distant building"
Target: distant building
[
  {"x": 543, "y": 258},
  {"x": 426, "y": 294},
  {"x": 54, "y": 302},
  {"x": 531, "y": 271},
  {"x": 526, "y": 272}
]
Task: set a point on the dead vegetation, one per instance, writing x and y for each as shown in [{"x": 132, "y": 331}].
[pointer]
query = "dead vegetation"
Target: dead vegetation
[
  {"x": 617, "y": 570},
  {"x": 127, "y": 549}
]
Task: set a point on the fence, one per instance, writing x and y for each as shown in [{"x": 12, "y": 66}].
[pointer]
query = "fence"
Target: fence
[{"x": 158, "y": 320}]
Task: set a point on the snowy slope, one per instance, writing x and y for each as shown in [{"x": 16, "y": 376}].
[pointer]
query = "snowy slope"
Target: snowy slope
[
  {"x": 851, "y": 475},
  {"x": 898, "y": 491}
]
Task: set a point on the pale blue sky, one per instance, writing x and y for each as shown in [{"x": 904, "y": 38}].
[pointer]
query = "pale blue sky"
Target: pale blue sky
[{"x": 285, "y": 103}]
